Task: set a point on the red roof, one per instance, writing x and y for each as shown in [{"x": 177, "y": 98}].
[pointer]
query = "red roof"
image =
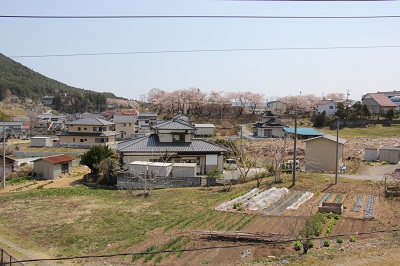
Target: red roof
[
  {"x": 62, "y": 158},
  {"x": 382, "y": 99}
]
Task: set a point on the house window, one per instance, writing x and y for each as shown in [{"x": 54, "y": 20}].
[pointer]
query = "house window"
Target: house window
[
  {"x": 85, "y": 128},
  {"x": 79, "y": 128},
  {"x": 101, "y": 140},
  {"x": 73, "y": 139},
  {"x": 123, "y": 124},
  {"x": 178, "y": 137},
  {"x": 331, "y": 107},
  {"x": 64, "y": 168},
  {"x": 96, "y": 129},
  {"x": 83, "y": 140}
]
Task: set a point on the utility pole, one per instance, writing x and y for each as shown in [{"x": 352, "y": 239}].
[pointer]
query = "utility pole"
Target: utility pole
[
  {"x": 294, "y": 150},
  {"x": 241, "y": 142},
  {"x": 337, "y": 151},
  {"x": 4, "y": 156}
]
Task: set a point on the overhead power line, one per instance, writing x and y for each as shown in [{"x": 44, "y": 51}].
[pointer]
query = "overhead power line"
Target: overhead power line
[
  {"x": 202, "y": 248},
  {"x": 198, "y": 17},
  {"x": 209, "y": 50}
]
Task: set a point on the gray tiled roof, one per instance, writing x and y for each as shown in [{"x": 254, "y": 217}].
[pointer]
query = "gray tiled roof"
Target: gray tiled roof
[
  {"x": 124, "y": 119},
  {"x": 171, "y": 124},
  {"x": 91, "y": 121},
  {"x": 329, "y": 137},
  {"x": 152, "y": 144},
  {"x": 88, "y": 134}
]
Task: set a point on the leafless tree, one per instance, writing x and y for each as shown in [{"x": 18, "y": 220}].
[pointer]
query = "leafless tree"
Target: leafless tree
[{"x": 274, "y": 154}]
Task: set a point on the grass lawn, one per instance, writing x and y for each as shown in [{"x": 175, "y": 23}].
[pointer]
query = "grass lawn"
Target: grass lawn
[
  {"x": 377, "y": 131},
  {"x": 81, "y": 220}
]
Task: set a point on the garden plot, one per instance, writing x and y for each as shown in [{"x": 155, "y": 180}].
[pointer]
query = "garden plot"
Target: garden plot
[
  {"x": 357, "y": 206},
  {"x": 369, "y": 208},
  {"x": 272, "y": 201}
]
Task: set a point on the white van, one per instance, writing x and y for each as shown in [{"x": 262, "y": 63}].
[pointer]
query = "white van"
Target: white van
[{"x": 230, "y": 164}]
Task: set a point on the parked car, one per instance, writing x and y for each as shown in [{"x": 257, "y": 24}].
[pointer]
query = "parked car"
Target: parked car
[{"x": 230, "y": 164}]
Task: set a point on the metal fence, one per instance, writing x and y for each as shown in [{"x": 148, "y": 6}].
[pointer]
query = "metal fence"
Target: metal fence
[{"x": 6, "y": 259}]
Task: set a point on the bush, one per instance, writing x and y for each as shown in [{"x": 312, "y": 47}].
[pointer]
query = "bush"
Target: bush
[
  {"x": 326, "y": 243},
  {"x": 311, "y": 244},
  {"x": 352, "y": 239},
  {"x": 238, "y": 206},
  {"x": 298, "y": 245},
  {"x": 339, "y": 240}
]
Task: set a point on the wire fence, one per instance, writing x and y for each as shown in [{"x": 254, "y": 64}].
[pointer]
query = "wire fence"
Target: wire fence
[{"x": 6, "y": 259}]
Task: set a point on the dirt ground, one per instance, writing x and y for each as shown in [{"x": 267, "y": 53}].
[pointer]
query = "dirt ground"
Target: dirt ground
[
  {"x": 289, "y": 223},
  {"x": 67, "y": 180}
]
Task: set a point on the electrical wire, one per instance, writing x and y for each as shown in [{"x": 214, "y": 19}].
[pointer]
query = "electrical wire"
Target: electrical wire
[
  {"x": 203, "y": 248},
  {"x": 197, "y": 17},
  {"x": 209, "y": 50}
]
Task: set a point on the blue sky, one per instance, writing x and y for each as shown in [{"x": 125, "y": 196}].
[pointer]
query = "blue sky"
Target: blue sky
[{"x": 273, "y": 72}]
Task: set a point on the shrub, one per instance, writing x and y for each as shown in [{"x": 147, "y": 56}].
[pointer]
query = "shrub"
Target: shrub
[
  {"x": 298, "y": 245},
  {"x": 311, "y": 244},
  {"x": 238, "y": 206},
  {"x": 326, "y": 243},
  {"x": 352, "y": 238},
  {"x": 339, "y": 240},
  {"x": 336, "y": 216}
]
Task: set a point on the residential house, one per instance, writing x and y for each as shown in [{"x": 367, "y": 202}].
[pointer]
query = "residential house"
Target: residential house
[
  {"x": 145, "y": 120},
  {"x": 378, "y": 103},
  {"x": 390, "y": 94},
  {"x": 268, "y": 126},
  {"x": 52, "y": 166},
  {"x": 125, "y": 126},
  {"x": 172, "y": 141},
  {"x": 329, "y": 106},
  {"x": 47, "y": 123},
  {"x": 47, "y": 100},
  {"x": 87, "y": 115},
  {"x": 12, "y": 128},
  {"x": 276, "y": 107},
  {"x": 321, "y": 153},
  {"x": 88, "y": 132}
]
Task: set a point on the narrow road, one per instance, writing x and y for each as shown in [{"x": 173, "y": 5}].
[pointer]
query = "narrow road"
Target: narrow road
[{"x": 375, "y": 172}]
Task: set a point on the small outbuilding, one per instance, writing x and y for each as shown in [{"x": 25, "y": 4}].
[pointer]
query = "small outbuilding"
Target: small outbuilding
[
  {"x": 371, "y": 154},
  {"x": 184, "y": 169},
  {"x": 52, "y": 166},
  {"x": 44, "y": 141},
  {"x": 321, "y": 153},
  {"x": 9, "y": 165},
  {"x": 204, "y": 130},
  {"x": 390, "y": 155}
]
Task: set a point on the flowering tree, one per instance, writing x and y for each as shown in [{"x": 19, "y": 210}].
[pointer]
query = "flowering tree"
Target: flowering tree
[
  {"x": 219, "y": 100},
  {"x": 255, "y": 100}
]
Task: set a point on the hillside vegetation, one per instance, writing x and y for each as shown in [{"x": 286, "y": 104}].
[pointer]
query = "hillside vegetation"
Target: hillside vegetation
[{"x": 23, "y": 82}]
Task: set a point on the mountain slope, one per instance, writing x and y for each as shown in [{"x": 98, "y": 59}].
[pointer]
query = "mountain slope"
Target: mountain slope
[{"x": 24, "y": 82}]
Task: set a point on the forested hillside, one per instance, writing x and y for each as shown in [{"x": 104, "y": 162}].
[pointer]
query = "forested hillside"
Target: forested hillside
[{"x": 26, "y": 83}]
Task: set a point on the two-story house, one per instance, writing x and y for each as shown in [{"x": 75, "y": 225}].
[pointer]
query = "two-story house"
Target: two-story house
[
  {"x": 144, "y": 120},
  {"x": 173, "y": 141},
  {"x": 125, "y": 126},
  {"x": 329, "y": 106},
  {"x": 88, "y": 132},
  {"x": 268, "y": 126}
]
